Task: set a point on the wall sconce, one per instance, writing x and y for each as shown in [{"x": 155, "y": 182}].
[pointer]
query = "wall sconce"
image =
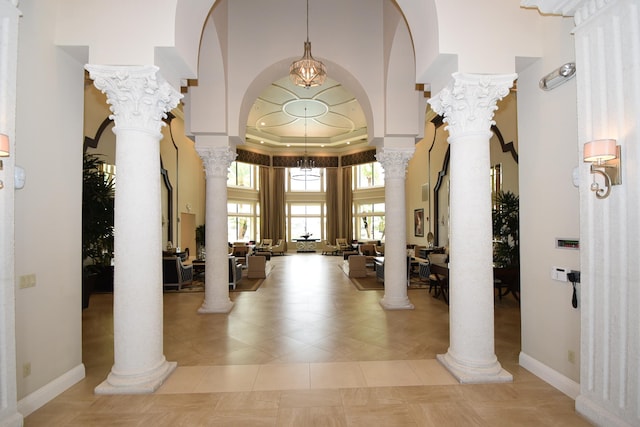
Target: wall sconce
[
  {"x": 604, "y": 156},
  {"x": 558, "y": 76},
  {"x": 4, "y": 152}
]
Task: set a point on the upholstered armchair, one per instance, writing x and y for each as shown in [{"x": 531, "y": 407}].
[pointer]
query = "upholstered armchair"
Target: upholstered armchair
[
  {"x": 327, "y": 248},
  {"x": 265, "y": 244},
  {"x": 357, "y": 266},
  {"x": 235, "y": 271},
  {"x": 256, "y": 266},
  {"x": 342, "y": 244},
  {"x": 279, "y": 248},
  {"x": 175, "y": 273}
]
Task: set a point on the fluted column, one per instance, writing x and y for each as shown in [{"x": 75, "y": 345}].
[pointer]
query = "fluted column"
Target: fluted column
[
  {"x": 394, "y": 162},
  {"x": 9, "y": 415},
  {"x": 216, "y": 292},
  {"x": 139, "y": 99},
  {"x": 468, "y": 105}
]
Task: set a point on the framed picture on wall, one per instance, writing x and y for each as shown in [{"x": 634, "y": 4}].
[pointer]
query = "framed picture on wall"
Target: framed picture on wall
[{"x": 418, "y": 222}]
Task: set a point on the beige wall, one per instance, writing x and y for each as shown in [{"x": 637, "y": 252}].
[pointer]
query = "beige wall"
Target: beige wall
[
  {"x": 48, "y": 145},
  {"x": 549, "y": 205}
]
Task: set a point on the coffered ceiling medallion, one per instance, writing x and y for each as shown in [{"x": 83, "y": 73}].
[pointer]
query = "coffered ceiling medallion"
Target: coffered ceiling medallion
[{"x": 334, "y": 117}]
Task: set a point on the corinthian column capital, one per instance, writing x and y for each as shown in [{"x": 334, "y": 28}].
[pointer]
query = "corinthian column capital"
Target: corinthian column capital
[
  {"x": 216, "y": 160},
  {"x": 394, "y": 162},
  {"x": 469, "y": 102},
  {"x": 139, "y": 97}
]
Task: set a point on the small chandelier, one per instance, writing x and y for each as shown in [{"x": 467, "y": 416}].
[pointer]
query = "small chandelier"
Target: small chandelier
[
  {"x": 306, "y": 170},
  {"x": 307, "y": 71}
]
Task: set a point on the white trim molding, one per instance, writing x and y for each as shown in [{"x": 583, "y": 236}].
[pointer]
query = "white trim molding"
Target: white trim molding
[
  {"x": 551, "y": 376},
  {"x": 43, "y": 395}
]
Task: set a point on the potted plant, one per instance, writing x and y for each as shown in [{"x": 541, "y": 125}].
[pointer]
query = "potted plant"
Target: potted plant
[
  {"x": 506, "y": 223},
  {"x": 200, "y": 241},
  {"x": 97, "y": 227},
  {"x": 506, "y": 244}
]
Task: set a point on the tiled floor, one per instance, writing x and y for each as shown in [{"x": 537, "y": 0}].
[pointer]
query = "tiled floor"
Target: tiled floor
[{"x": 308, "y": 349}]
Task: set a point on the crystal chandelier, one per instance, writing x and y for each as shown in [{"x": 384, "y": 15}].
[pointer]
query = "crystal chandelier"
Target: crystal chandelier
[
  {"x": 307, "y": 71},
  {"x": 306, "y": 170}
]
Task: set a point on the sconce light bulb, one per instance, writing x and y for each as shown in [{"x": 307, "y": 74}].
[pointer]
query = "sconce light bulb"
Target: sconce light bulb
[{"x": 594, "y": 186}]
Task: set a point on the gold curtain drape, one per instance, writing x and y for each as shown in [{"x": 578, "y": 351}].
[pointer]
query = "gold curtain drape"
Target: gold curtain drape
[
  {"x": 278, "y": 207},
  {"x": 263, "y": 198},
  {"x": 332, "y": 200},
  {"x": 345, "y": 228}
]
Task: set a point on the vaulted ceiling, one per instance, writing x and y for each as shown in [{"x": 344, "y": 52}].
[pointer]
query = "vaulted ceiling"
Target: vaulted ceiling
[{"x": 328, "y": 114}]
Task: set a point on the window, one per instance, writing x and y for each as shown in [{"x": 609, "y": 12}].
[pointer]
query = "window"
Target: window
[
  {"x": 369, "y": 175},
  {"x": 496, "y": 182},
  {"x": 242, "y": 175},
  {"x": 306, "y": 218},
  {"x": 242, "y": 221},
  {"x": 316, "y": 185},
  {"x": 369, "y": 221}
]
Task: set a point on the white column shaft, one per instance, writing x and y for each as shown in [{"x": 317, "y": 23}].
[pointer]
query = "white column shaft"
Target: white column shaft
[
  {"x": 395, "y": 253},
  {"x": 468, "y": 105},
  {"x": 216, "y": 296},
  {"x": 471, "y": 264},
  {"x": 139, "y": 99}
]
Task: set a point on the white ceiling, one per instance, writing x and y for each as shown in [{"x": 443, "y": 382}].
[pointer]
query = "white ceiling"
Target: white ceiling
[{"x": 334, "y": 118}]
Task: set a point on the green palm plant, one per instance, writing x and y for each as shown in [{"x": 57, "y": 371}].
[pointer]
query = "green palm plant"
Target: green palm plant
[
  {"x": 97, "y": 212},
  {"x": 506, "y": 225}
]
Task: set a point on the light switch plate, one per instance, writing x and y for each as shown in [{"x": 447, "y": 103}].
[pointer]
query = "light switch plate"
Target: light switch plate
[{"x": 559, "y": 273}]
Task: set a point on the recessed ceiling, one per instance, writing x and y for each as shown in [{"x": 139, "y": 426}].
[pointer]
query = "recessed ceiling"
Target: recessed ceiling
[{"x": 333, "y": 116}]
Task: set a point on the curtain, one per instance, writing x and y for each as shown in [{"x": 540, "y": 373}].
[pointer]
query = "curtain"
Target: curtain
[
  {"x": 333, "y": 209},
  {"x": 345, "y": 227},
  {"x": 263, "y": 198},
  {"x": 278, "y": 207}
]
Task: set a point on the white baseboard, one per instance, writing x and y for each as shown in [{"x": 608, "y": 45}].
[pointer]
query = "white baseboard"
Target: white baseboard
[
  {"x": 43, "y": 395},
  {"x": 551, "y": 376}
]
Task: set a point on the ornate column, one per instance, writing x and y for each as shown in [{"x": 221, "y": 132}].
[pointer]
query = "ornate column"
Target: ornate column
[
  {"x": 394, "y": 162},
  {"x": 9, "y": 415},
  {"x": 216, "y": 292},
  {"x": 468, "y": 105},
  {"x": 139, "y": 99}
]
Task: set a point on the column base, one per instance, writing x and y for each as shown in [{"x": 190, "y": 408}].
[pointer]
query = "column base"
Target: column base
[
  {"x": 216, "y": 307},
  {"x": 136, "y": 384},
  {"x": 466, "y": 374},
  {"x": 402, "y": 303}
]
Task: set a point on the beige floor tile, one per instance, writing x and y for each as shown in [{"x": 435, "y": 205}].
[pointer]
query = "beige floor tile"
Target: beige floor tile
[
  {"x": 336, "y": 375},
  {"x": 227, "y": 378},
  {"x": 183, "y": 380},
  {"x": 332, "y": 416},
  {"x": 310, "y": 398},
  {"x": 294, "y": 341},
  {"x": 389, "y": 373},
  {"x": 431, "y": 372},
  {"x": 283, "y": 377}
]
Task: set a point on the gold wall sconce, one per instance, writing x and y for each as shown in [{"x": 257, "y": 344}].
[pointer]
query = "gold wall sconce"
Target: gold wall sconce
[
  {"x": 604, "y": 156},
  {"x": 4, "y": 152}
]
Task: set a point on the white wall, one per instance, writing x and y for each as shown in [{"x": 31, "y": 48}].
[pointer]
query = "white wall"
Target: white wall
[
  {"x": 48, "y": 144},
  {"x": 549, "y": 205}
]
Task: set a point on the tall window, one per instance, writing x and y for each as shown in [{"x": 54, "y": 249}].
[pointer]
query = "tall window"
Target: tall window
[
  {"x": 369, "y": 221},
  {"x": 496, "y": 182},
  {"x": 369, "y": 175},
  {"x": 316, "y": 185},
  {"x": 241, "y": 221},
  {"x": 242, "y": 175},
  {"x": 306, "y": 218}
]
